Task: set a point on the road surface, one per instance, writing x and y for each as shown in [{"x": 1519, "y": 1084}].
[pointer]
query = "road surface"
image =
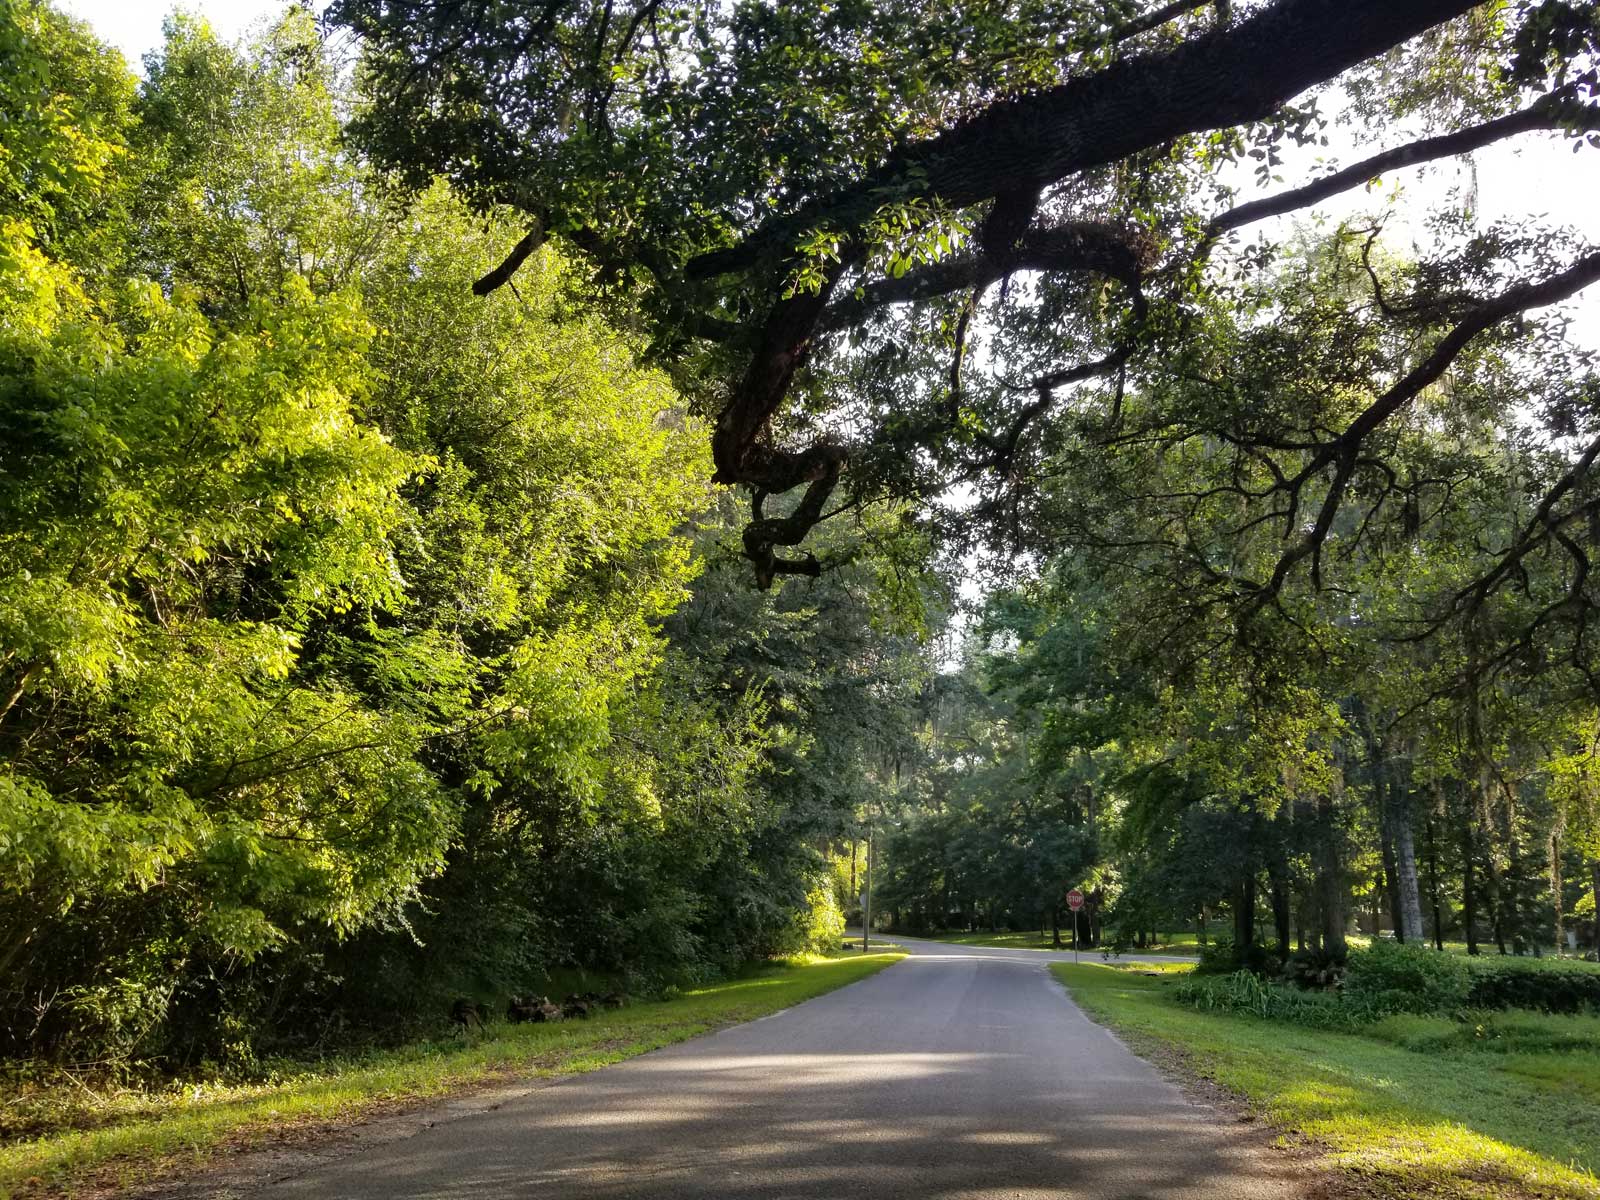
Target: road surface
[{"x": 959, "y": 1072}]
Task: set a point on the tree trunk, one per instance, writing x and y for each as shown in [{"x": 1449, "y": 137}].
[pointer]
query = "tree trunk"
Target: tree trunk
[
  {"x": 1330, "y": 884},
  {"x": 1508, "y": 921},
  {"x": 1244, "y": 918},
  {"x": 1055, "y": 926},
  {"x": 1555, "y": 885},
  {"x": 1278, "y": 875},
  {"x": 1594, "y": 886},
  {"x": 1497, "y": 927},
  {"x": 1408, "y": 909},
  {"x": 1469, "y": 886},
  {"x": 1391, "y": 794},
  {"x": 1433, "y": 884},
  {"x": 1387, "y": 890}
]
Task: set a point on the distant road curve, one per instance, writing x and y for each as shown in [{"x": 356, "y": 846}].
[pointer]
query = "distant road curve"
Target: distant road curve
[{"x": 930, "y": 946}]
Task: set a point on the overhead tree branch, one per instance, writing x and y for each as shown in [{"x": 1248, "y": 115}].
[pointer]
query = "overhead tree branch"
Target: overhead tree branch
[
  {"x": 1093, "y": 246},
  {"x": 1341, "y": 453},
  {"x": 1555, "y": 111},
  {"x": 1227, "y": 77},
  {"x": 1231, "y": 75},
  {"x": 1154, "y": 19},
  {"x": 501, "y": 275}
]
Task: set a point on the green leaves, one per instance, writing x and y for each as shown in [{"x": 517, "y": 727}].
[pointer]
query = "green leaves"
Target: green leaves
[
  {"x": 64, "y": 103},
  {"x": 179, "y": 504},
  {"x": 913, "y": 233},
  {"x": 341, "y": 637}
]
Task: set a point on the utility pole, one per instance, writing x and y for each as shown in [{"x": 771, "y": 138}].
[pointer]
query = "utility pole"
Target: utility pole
[{"x": 866, "y": 908}]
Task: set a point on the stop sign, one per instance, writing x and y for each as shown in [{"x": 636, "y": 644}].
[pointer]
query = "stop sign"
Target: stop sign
[{"x": 1074, "y": 899}]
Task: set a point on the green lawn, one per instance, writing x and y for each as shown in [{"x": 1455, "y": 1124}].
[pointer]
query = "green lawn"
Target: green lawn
[
  {"x": 1179, "y": 943},
  {"x": 1417, "y": 1107},
  {"x": 130, "y": 1135},
  {"x": 1185, "y": 943}
]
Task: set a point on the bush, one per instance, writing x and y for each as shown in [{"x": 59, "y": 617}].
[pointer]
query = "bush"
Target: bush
[
  {"x": 1216, "y": 956},
  {"x": 815, "y": 928},
  {"x": 1423, "y": 999},
  {"x": 1222, "y": 955},
  {"x": 1406, "y": 979},
  {"x": 1246, "y": 992},
  {"x": 1548, "y": 985}
]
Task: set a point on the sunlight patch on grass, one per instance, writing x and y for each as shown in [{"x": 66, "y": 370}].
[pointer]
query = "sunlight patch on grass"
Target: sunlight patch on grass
[{"x": 1468, "y": 1118}]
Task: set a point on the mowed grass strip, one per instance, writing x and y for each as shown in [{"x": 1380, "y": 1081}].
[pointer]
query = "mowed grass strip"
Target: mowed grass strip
[
  {"x": 143, "y": 1135},
  {"x": 1452, "y": 1122}
]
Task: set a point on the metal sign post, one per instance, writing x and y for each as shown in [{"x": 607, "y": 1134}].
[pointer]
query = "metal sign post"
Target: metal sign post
[
  {"x": 866, "y": 913},
  {"x": 1074, "y": 902}
]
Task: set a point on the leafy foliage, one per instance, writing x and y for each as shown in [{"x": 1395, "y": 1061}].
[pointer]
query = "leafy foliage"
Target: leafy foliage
[
  {"x": 1390, "y": 978},
  {"x": 1547, "y": 987},
  {"x": 341, "y": 643}
]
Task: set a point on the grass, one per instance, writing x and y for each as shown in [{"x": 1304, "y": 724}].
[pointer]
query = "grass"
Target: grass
[
  {"x": 1183, "y": 942},
  {"x": 1032, "y": 939},
  {"x": 135, "y": 1136},
  {"x": 1504, "y": 1106}
]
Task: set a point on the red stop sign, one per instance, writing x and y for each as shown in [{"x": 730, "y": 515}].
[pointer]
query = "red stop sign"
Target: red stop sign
[{"x": 1074, "y": 899}]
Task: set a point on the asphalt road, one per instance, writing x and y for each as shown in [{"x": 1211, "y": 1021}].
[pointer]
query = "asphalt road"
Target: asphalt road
[{"x": 956, "y": 1073}]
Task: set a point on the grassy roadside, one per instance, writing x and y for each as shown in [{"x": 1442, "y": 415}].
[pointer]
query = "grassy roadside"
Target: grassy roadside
[
  {"x": 138, "y": 1136},
  {"x": 1460, "y": 1122}
]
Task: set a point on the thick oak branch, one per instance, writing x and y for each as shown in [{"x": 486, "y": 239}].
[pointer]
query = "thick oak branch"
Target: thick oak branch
[{"x": 1227, "y": 77}]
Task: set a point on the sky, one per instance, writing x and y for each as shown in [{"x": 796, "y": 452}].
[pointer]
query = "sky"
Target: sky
[
  {"x": 134, "y": 26},
  {"x": 1535, "y": 174}
]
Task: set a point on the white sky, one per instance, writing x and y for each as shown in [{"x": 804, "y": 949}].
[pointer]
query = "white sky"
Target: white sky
[
  {"x": 134, "y": 26},
  {"x": 1535, "y": 174}
]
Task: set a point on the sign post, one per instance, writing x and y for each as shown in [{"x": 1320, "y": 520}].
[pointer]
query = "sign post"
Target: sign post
[
  {"x": 866, "y": 903},
  {"x": 1074, "y": 902}
]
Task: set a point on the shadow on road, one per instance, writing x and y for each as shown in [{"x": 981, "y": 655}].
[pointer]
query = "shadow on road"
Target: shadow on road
[{"x": 945, "y": 1076}]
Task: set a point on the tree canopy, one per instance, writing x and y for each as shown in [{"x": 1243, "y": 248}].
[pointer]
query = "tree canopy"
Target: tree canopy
[
  {"x": 931, "y": 244},
  {"x": 372, "y": 623},
  {"x": 361, "y": 638}
]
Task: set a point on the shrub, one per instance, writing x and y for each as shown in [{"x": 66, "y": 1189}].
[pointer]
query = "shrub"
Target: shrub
[
  {"x": 1406, "y": 979},
  {"x": 1216, "y": 956},
  {"x": 818, "y": 926},
  {"x": 1222, "y": 955},
  {"x": 1549, "y": 985},
  {"x": 1247, "y": 992}
]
